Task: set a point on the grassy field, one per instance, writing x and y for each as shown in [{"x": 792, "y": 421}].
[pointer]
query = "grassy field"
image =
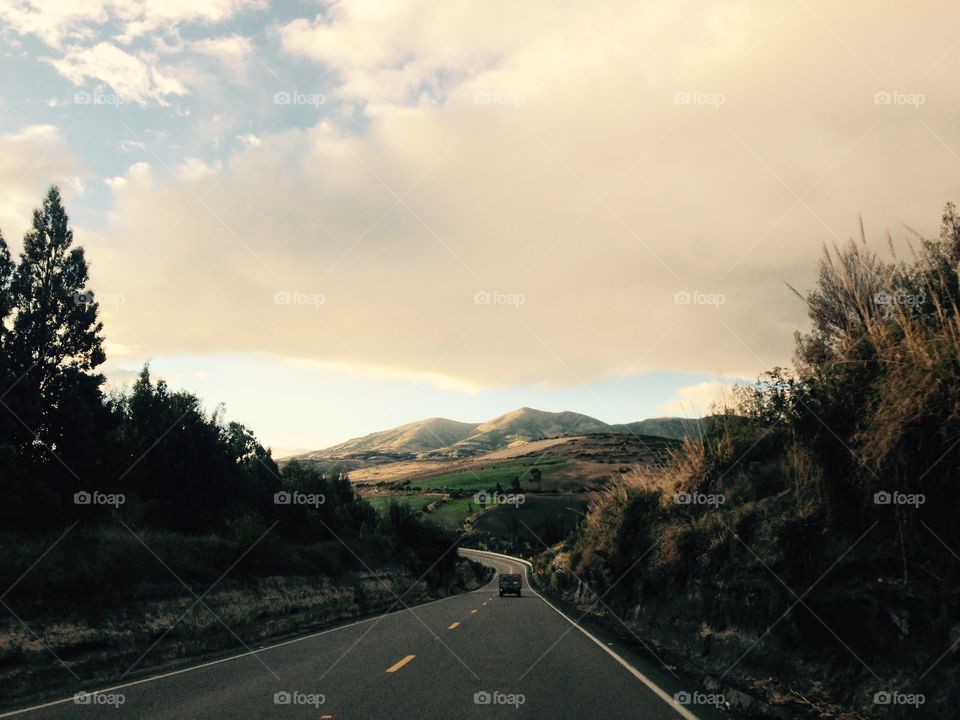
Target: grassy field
[
  {"x": 484, "y": 477},
  {"x": 414, "y": 502},
  {"x": 452, "y": 514}
]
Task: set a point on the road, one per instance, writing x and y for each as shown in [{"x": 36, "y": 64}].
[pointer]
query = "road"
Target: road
[{"x": 434, "y": 660}]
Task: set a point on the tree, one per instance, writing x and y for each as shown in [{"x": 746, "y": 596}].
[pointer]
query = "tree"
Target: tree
[
  {"x": 184, "y": 466},
  {"x": 259, "y": 476},
  {"x": 515, "y": 484},
  {"x": 55, "y": 328},
  {"x": 52, "y": 346}
]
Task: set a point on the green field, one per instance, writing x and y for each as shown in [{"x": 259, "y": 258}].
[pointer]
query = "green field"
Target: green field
[
  {"x": 453, "y": 512},
  {"x": 414, "y": 502},
  {"x": 487, "y": 476}
]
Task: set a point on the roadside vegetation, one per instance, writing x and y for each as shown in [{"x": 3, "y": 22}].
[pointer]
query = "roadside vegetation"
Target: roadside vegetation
[
  {"x": 806, "y": 550},
  {"x": 113, "y": 502}
]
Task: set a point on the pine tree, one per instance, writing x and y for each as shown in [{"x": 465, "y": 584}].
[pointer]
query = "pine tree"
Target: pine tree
[
  {"x": 55, "y": 326},
  {"x": 53, "y": 346}
]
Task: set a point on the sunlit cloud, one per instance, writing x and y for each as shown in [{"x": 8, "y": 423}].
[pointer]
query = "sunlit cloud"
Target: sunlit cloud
[
  {"x": 31, "y": 159},
  {"x": 700, "y": 399}
]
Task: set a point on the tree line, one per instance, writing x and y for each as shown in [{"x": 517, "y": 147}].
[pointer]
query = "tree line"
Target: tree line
[{"x": 150, "y": 455}]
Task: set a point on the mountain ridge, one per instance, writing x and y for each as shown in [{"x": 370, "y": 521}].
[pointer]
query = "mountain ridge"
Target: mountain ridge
[{"x": 442, "y": 437}]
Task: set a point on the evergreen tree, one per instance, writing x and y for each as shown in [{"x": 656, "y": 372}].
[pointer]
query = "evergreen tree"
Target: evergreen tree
[
  {"x": 55, "y": 328},
  {"x": 52, "y": 346}
]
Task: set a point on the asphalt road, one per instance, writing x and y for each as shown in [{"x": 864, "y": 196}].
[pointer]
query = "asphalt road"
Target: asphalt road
[{"x": 438, "y": 660}]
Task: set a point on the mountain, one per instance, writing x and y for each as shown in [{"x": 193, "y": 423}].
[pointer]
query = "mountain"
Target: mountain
[
  {"x": 526, "y": 424},
  {"x": 412, "y": 438},
  {"x": 442, "y": 438}
]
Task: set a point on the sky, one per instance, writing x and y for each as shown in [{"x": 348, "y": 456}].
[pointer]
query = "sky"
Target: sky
[{"x": 336, "y": 217}]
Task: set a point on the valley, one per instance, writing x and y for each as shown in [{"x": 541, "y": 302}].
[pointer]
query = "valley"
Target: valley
[{"x": 436, "y": 468}]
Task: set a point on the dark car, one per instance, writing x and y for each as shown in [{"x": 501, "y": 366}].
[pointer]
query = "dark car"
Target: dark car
[{"x": 510, "y": 583}]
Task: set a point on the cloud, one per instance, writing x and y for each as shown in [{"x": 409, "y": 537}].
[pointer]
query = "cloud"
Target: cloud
[
  {"x": 700, "y": 399},
  {"x": 390, "y": 53},
  {"x": 145, "y": 16},
  {"x": 116, "y": 349},
  {"x": 131, "y": 77},
  {"x": 87, "y": 36},
  {"x": 542, "y": 194},
  {"x": 59, "y": 22},
  {"x": 30, "y": 160},
  {"x": 233, "y": 53},
  {"x": 53, "y": 22}
]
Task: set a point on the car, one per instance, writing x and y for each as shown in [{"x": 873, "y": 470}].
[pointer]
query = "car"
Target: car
[{"x": 510, "y": 583}]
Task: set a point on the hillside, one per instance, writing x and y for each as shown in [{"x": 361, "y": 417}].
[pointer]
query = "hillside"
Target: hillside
[
  {"x": 412, "y": 438},
  {"x": 440, "y": 438},
  {"x": 526, "y": 424}
]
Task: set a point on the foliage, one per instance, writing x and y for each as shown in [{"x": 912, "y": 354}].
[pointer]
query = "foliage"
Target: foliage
[{"x": 179, "y": 470}]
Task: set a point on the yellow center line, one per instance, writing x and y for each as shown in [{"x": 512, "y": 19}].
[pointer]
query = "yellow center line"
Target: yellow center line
[
  {"x": 396, "y": 666},
  {"x": 455, "y": 625}
]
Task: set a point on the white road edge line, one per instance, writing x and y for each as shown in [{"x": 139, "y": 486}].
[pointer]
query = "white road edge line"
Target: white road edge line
[
  {"x": 656, "y": 689},
  {"x": 52, "y": 703}
]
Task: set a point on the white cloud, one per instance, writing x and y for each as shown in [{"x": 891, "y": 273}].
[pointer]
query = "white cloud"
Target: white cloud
[
  {"x": 59, "y": 22},
  {"x": 194, "y": 170},
  {"x": 87, "y": 43},
  {"x": 131, "y": 77},
  {"x": 144, "y": 16},
  {"x": 53, "y": 21},
  {"x": 388, "y": 53},
  {"x": 232, "y": 52}
]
